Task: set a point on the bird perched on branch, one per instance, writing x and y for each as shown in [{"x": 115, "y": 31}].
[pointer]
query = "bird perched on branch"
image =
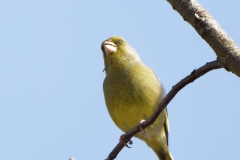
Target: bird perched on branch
[{"x": 132, "y": 93}]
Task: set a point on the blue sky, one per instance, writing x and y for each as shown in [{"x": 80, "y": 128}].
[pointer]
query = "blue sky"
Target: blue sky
[{"x": 51, "y": 99}]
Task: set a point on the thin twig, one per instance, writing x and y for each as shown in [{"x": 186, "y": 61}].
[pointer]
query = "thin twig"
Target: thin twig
[{"x": 175, "y": 89}]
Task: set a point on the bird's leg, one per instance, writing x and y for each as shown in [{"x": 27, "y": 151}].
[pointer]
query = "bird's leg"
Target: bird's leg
[
  {"x": 123, "y": 141},
  {"x": 143, "y": 131}
]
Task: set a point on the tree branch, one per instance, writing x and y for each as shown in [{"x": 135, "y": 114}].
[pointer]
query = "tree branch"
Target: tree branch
[
  {"x": 227, "y": 51},
  {"x": 193, "y": 76}
]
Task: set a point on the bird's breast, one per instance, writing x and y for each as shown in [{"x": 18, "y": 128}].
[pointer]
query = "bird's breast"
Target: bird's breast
[{"x": 131, "y": 95}]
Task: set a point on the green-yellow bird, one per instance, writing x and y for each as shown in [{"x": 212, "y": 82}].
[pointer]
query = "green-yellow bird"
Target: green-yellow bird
[{"x": 132, "y": 93}]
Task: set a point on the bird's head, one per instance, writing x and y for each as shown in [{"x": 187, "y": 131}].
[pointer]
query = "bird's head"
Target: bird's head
[{"x": 117, "y": 52}]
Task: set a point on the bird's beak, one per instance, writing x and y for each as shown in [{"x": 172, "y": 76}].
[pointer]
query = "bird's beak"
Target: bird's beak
[{"x": 109, "y": 47}]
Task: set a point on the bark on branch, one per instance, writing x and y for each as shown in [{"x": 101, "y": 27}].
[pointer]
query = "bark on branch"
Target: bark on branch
[
  {"x": 193, "y": 76},
  {"x": 228, "y": 53}
]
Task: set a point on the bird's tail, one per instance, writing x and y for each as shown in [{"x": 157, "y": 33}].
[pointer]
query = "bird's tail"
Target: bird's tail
[{"x": 159, "y": 145}]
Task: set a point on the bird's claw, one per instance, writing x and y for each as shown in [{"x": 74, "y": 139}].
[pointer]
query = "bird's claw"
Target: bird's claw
[
  {"x": 123, "y": 141},
  {"x": 143, "y": 131}
]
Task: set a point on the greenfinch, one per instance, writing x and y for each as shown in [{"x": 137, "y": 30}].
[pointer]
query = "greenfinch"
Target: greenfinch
[{"x": 132, "y": 93}]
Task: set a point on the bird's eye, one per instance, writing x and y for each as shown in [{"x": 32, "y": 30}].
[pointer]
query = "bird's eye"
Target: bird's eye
[{"x": 118, "y": 42}]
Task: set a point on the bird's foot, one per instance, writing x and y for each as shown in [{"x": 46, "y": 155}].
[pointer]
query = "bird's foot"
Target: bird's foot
[
  {"x": 123, "y": 141},
  {"x": 143, "y": 131}
]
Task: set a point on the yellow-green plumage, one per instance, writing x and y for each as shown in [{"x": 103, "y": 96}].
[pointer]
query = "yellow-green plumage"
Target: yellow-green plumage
[{"x": 132, "y": 93}]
